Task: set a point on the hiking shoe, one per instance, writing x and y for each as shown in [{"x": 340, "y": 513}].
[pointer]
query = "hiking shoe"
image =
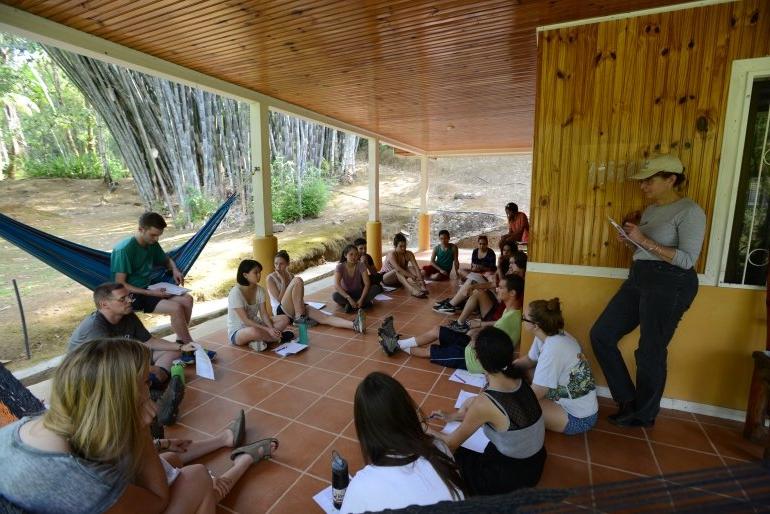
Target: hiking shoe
[
  {"x": 388, "y": 342},
  {"x": 458, "y": 326},
  {"x": 387, "y": 327},
  {"x": 258, "y": 346},
  {"x": 441, "y": 302},
  {"x": 286, "y": 336},
  {"x": 305, "y": 320},
  {"x": 348, "y": 308},
  {"x": 168, "y": 406},
  {"x": 447, "y": 308},
  {"x": 359, "y": 323}
]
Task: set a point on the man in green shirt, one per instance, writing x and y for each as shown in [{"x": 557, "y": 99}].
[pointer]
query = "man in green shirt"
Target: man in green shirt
[
  {"x": 452, "y": 349},
  {"x": 131, "y": 264}
]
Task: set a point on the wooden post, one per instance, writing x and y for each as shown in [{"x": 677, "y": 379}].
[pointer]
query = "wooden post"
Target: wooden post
[
  {"x": 373, "y": 226},
  {"x": 423, "y": 225},
  {"x": 265, "y": 244}
]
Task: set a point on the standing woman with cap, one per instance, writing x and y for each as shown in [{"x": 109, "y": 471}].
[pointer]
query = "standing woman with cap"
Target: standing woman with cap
[{"x": 661, "y": 285}]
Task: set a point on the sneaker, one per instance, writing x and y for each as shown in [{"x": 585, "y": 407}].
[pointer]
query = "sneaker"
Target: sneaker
[
  {"x": 359, "y": 323},
  {"x": 458, "y": 326},
  {"x": 348, "y": 308},
  {"x": 305, "y": 320},
  {"x": 388, "y": 342},
  {"x": 286, "y": 336},
  {"x": 446, "y": 308},
  {"x": 168, "y": 406},
  {"x": 189, "y": 357},
  {"x": 441, "y": 302},
  {"x": 387, "y": 327},
  {"x": 258, "y": 346}
]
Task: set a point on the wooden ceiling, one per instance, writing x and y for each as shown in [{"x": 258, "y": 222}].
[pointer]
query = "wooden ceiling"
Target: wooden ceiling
[{"x": 442, "y": 75}]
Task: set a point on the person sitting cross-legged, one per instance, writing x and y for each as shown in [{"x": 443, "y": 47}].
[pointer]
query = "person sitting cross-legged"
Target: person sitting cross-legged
[
  {"x": 483, "y": 262},
  {"x": 511, "y": 418},
  {"x": 247, "y": 318},
  {"x": 353, "y": 289},
  {"x": 563, "y": 381},
  {"x": 442, "y": 260},
  {"x": 453, "y": 349},
  {"x": 131, "y": 264},
  {"x": 375, "y": 277}
]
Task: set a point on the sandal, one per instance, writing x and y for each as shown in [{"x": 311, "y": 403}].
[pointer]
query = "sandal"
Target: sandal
[
  {"x": 253, "y": 449},
  {"x": 238, "y": 427}
]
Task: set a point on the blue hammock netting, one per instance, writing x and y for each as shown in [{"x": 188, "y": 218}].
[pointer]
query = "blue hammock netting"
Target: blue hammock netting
[{"x": 91, "y": 267}]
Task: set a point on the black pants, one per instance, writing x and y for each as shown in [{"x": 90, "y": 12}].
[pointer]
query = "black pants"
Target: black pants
[
  {"x": 654, "y": 297},
  {"x": 374, "y": 290},
  {"x": 492, "y": 472}
]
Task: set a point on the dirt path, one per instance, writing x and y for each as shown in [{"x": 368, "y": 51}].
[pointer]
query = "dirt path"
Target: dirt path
[{"x": 84, "y": 211}]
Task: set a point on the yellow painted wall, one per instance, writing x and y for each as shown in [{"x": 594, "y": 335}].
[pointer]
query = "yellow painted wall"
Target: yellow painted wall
[{"x": 709, "y": 359}]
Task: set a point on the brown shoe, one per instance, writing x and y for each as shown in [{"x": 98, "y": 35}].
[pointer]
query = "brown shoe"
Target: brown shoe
[
  {"x": 253, "y": 449},
  {"x": 238, "y": 427}
]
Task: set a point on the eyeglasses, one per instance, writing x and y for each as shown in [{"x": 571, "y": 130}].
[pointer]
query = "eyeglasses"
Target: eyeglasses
[
  {"x": 528, "y": 320},
  {"x": 129, "y": 298}
]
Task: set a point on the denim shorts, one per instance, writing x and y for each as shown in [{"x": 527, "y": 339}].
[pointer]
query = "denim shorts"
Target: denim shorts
[{"x": 580, "y": 425}]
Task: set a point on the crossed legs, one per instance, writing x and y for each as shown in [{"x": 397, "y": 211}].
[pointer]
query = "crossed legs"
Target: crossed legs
[{"x": 180, "y": 309}]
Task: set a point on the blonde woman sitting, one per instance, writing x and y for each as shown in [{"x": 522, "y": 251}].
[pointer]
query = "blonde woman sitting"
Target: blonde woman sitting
[{"x": 74, "y": 458}]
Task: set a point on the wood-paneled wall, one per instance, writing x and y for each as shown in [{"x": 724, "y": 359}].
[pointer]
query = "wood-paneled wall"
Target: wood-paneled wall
[{"x": 611, "y": 93}]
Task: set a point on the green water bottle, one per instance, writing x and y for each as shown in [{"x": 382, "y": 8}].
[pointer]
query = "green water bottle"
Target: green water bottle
[
  {"x": 303, "y": 338},
  {"x": 177, "y": 370}
]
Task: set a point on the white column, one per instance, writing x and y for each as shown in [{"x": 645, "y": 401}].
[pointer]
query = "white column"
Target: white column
[
  {"x": 374, "y": 179},
  {"x": 424, "y": 184},
  {"x": 259, "y": 125}
]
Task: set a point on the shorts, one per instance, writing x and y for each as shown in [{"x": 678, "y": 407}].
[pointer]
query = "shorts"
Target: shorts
[
  {"x": 280, "y": 312},
  {"x": 145, "y": 303},
  {"x": 495, "y": 313},
  {"x": 450, "y": 351},
  {"x": 234, "y": 334},
  {"x": 430, "y": 269},
  {"x": 580, "y": 425}
]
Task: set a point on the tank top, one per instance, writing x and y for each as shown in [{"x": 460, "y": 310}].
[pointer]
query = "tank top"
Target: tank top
[
  {"x": 526, "y": 432},
  {"x": 445, "y": 258},
  {"x": 276, "y": 302}
]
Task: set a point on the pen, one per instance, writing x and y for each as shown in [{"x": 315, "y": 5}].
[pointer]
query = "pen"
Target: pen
[
  {"x": 282, "y": 347},
  {"x": 458, "y": 377}
]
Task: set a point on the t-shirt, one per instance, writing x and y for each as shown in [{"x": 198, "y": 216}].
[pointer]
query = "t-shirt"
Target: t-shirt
[
  {"x": 680, "y": 225},
  {"x": 376, "y": 488},
  {"x": 565, "y": 371},
  {"x": 236, "y": 300},
  {"x": 489, "y": 261},
  {"x": 136, "y": 261},
  {"x": 445, "y": 257},
  {"x": 510, "y": 323},
  {"x": 96, "y": 326},
  {"x": 353, "y": 284},
  {"x": 45, "y": 481}
]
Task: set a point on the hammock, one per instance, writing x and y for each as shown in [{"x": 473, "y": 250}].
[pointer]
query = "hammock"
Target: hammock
[{"x": 91, "y": 267}]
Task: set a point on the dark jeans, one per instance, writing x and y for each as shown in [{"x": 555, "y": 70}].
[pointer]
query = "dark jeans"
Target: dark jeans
[
  {"x": 374, "y": 290},
  {"x": 654, "y": 297}
]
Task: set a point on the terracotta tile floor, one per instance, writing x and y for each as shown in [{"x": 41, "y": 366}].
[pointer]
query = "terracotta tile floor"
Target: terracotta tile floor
[{"x": 306, "y": 401}]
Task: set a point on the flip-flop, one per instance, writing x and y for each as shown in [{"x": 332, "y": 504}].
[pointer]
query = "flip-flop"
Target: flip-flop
[
  {"x": 253, "y": 449},
  {"x": 238, "y": 427}
]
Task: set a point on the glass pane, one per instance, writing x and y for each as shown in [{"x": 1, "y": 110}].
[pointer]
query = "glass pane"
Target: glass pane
[{"x": 750, "y": 241}]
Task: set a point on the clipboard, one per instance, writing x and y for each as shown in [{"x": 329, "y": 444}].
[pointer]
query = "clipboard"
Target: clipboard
[{"x": 623, "y": 234}]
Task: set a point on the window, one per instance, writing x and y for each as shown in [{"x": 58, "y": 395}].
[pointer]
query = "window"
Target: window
[{"x": 748, "y": 251}]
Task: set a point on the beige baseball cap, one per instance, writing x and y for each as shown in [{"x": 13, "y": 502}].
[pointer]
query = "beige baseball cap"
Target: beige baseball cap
[{"x": 667, "y": 163}]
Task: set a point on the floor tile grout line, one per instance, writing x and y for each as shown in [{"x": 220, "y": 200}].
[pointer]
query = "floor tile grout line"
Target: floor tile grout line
[
  {"x": 657, "y": 465},
  {"x": 722, "y": 459}
]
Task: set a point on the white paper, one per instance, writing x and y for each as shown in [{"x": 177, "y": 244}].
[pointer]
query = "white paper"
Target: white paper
[
  {"x": 326, "y": 312},
  {"x": 171, "y": 472},
  {"x": 472, "y": 379},
  {"x": 388, "y": 289},
  {"x": 316, "y": 305},
  {"x": 383, "y": 298},
  {"x": 623, "y": 234},
  {"x": 170, "y": 288},
  {"x": 464, "y": 395},
  {"x": 290, "y": 348},
  {"x": 203, "y": 367},
  {"x": 477, "y": 442},
  {"x": 325, "y": 501}
]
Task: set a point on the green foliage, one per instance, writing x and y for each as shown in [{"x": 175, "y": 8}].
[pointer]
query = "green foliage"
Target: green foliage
[
  {"x": 200, "y": 205},
  {"x": 297, "y": 196},
  {"x": 72, "y": 166}
]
